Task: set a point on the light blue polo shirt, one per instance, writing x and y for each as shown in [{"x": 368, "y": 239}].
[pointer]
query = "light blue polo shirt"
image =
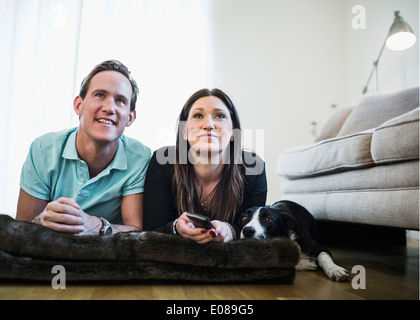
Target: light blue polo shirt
[{"x": 53, "y": 169}]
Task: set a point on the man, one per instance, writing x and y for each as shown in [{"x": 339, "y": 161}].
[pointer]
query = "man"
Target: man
[{"x": 89, "y": 180}]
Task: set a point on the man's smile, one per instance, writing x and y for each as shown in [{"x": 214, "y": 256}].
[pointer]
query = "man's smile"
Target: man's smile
[{"x": 106, "y": 121}]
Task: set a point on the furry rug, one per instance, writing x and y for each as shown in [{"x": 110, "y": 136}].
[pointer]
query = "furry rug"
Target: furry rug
[{"x": 29, "y": 252}]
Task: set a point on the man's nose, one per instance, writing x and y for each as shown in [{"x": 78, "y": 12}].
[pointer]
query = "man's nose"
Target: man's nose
[{"x": 109, "y": 106}]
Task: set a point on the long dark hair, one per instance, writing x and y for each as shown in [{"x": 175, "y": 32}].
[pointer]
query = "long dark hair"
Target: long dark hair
[{"x": 228, "y": 193}]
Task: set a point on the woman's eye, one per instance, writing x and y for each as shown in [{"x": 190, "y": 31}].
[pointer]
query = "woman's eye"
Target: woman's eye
[
  {"x": 220, "y": 116},
  {"x": 197, "y": 116}
]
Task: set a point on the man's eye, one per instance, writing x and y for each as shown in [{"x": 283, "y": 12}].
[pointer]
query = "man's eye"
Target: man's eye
[{"x": 121, "y": 101}]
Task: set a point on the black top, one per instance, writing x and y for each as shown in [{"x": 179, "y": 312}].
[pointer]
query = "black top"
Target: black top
[{"x": 160, "y": 201}]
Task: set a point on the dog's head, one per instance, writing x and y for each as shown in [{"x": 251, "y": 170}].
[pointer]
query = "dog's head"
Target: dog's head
[{"x": 266, "y": 222}]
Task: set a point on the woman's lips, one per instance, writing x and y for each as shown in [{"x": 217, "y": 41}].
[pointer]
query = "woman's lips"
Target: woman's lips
[{"x": 208, "y": 135}]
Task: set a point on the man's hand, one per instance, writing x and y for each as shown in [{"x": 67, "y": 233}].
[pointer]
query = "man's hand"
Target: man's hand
[{"x": 65, "y": 215}]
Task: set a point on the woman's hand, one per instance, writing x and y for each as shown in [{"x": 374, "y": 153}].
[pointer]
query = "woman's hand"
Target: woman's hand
[
  {"x": 224, "y": 230},
  {"x": 186, "y": 229}
]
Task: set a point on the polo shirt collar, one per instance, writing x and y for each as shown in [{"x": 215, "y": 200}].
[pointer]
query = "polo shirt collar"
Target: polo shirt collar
[{"x": 119, "y": 162}]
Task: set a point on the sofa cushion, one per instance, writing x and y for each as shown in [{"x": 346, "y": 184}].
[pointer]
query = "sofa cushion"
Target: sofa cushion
[
  {"x": 397, "y": 139},
  {"x": 399, "y": 176},
  {"x": 333, "y": 125},
  {"x": 383, "y": 208},
  {"x": 386, "y": 195},
  {"x": 378, "y": 108},
  {"x": 328, "y": 156}
]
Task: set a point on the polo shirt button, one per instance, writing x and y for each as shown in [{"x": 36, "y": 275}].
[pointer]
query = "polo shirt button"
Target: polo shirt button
[{"x": 82, "y": 180}]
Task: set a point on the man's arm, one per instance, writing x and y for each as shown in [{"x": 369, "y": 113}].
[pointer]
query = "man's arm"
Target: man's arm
[
  {"x": 29, "y": 207},
  {"x": 65, "y": 214},
  {"x": 131, "y": 212},
  {"x": 62, "y": 215}
]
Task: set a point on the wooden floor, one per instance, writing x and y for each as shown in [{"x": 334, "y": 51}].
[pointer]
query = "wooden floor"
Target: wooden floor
[{"x": 391, "y": 273}]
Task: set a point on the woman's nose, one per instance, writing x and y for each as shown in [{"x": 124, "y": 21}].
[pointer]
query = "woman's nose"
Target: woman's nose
[{"x": 208, "y": 123}]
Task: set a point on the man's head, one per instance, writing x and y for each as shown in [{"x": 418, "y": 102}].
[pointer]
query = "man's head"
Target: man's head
[
  {"x": 111, "y": 65},
  {"x": 106, "y": 104}
]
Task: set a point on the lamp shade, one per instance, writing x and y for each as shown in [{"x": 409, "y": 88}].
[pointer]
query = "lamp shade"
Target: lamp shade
[{"x": 400, "y": 36}]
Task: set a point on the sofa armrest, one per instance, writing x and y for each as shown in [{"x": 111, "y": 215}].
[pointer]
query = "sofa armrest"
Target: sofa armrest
[{"x": 397, "y": 139}]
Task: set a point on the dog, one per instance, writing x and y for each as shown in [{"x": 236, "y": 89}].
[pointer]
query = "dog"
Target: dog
[{"x": 289, "y": 219}]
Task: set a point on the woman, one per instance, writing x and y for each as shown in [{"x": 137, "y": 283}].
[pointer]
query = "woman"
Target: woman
[{"x": 206, "y": 172}]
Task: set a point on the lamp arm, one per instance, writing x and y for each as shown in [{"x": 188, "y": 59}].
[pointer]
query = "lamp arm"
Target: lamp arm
[{"x": 375, "y": 67}]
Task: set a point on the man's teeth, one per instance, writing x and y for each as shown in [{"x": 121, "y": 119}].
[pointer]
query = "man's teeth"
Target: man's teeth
[{"x": 105, "y": 121}]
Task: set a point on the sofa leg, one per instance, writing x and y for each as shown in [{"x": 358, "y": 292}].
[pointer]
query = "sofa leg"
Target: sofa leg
[{"x": 342, "y": 233}]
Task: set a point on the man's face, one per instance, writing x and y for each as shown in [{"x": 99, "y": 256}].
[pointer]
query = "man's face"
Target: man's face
[{"x": 105, "y": 110}]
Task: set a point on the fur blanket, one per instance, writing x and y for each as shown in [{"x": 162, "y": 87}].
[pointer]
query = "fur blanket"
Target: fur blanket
[{"x": 29, "y": 252}]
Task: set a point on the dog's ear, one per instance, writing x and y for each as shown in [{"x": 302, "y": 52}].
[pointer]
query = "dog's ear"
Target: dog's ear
[{"x": 290, "y": 222}]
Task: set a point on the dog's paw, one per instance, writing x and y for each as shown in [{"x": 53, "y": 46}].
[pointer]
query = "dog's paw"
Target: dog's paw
[
  {"x": 337, "y": 273},
  {"x": 306, "y": 264}
]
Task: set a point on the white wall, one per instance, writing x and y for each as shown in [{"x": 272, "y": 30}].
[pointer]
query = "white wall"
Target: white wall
[
  {"x": 283, "y": 64},
  {"x": 396, "y": 69}
]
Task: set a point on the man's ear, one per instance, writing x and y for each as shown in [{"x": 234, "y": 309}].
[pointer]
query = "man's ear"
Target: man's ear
[
  {"x": 77, "y": 105},
  {"x": 131, "y": 118}
]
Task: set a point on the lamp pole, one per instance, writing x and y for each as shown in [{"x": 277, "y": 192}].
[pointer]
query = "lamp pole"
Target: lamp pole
[{"x": 374, "y": 69}]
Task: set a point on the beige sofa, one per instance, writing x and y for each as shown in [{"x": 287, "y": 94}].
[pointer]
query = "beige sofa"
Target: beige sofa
[{"x": 363, "y": 167}]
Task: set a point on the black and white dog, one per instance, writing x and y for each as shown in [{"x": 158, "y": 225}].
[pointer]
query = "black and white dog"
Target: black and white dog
[{"x": 289, "y": 219}]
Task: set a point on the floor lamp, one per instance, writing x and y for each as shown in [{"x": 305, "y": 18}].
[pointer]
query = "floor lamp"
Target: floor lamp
[{"x": 400, "y": 37}]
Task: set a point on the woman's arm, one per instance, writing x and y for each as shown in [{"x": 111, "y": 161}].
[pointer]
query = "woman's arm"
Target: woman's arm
[
  {"x": 159, "y": 203},
  {"x": 256, "y": 181},
  {"x": 255, "y": 193}
]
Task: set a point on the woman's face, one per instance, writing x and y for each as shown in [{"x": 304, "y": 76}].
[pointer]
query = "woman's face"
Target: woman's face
[{"x": 209, "y": 126}]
